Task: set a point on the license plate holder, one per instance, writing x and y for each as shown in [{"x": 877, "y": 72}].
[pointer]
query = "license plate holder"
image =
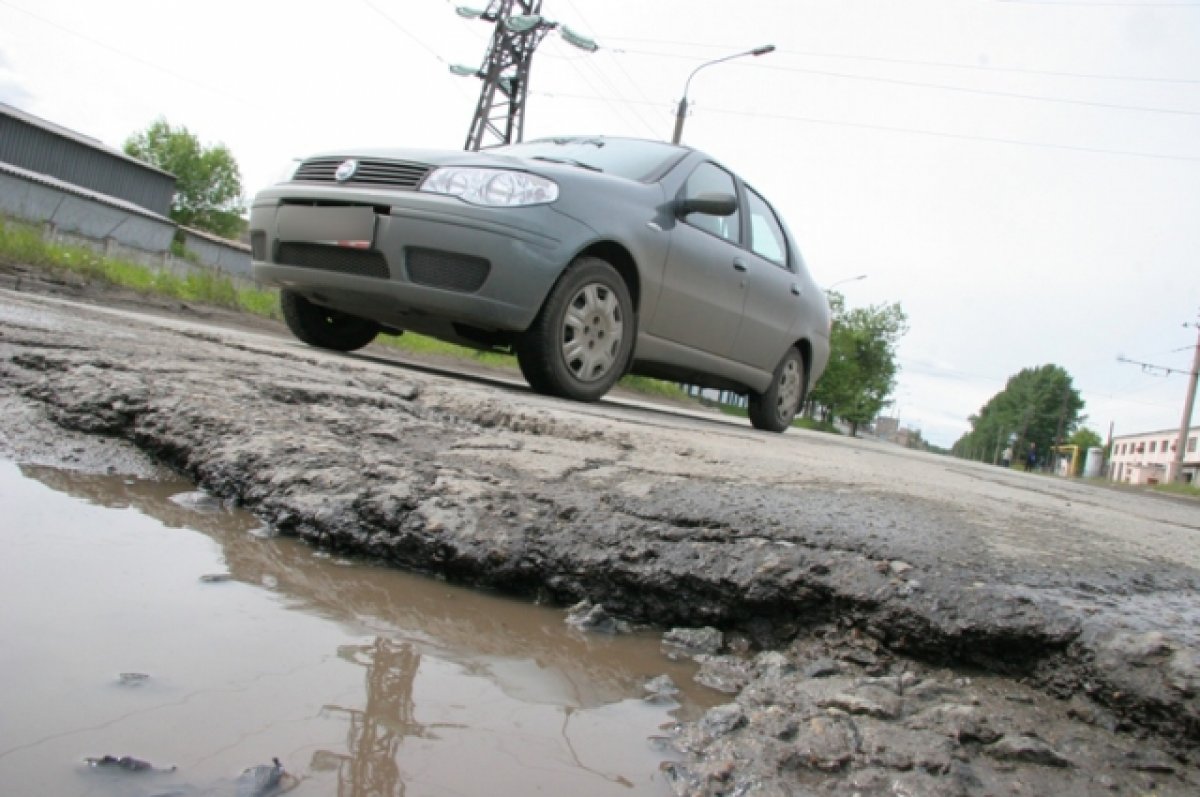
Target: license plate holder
[{"x": 352, "y": 227}]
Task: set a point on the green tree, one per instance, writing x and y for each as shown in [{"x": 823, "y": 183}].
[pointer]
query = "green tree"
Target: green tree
[
  {"x": 1084, "y": 438},
  {"x": 862, "y": 361},
  {"x": 208, "y": 183},
  {"x": 1037, "y": 408}
]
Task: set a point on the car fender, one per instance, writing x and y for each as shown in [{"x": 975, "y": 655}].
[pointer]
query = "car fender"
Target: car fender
[{"x": 640, "y": 229}]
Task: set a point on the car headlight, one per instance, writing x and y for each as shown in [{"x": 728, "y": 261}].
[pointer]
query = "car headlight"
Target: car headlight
[{"x": 495, "y": 187}]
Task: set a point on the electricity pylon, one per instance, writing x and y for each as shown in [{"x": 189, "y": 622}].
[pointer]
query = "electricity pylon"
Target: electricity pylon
[{"x": 500, "y": 113}]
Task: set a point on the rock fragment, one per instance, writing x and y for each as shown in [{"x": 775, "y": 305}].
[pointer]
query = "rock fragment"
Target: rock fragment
[
  {"x": 125, "y": 762},
  {"x": 826, "y": 744},
  {"x": 594, "y": 618},
  {"x": 1027, "y": 749},
  {"x": 692, "y": 641}
]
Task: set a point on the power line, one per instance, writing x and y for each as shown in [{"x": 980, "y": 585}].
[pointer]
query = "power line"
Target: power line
[
  {"x": 947, "y": 87},
  {"x": 917, "y": 131},
  {"x": 420, "y": 42},
  {"x": 223, "y": 92},
  {"x": 1097, "y": 4},
  {"x": 989, "y": 92},
  {"x": 634, "y": 114},
  {"x": 637, "y": 85},
  {"x": 611, "y": 103},
  {"x": 920, "y": 369},
  {"x": 637, "y": 116},
  {"x": 906, "y": 61}
]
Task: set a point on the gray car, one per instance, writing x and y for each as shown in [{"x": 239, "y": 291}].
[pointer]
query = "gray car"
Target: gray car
[{"x": 587, "y": 257}]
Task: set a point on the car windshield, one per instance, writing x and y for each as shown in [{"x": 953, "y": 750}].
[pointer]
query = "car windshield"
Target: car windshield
[{"x": 632, "y": 158}]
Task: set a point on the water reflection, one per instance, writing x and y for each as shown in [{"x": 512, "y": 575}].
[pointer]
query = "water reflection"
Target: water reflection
[
  {"x": 526, "y": 648},
  {"x": 370, "y": 768},
  {"x": 457, "y": 691}
]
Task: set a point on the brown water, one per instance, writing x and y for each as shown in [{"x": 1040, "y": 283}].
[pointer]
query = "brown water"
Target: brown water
[{"x": 361, "y": 679}]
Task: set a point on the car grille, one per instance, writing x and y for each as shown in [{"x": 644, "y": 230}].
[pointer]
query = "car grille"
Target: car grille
[
  {"x": 359, "y": 262},
  {"x": 394, "y": 174},
  {"x": 447, "y": 270}
]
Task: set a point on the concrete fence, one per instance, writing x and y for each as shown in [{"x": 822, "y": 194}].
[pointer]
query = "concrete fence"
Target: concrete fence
[{"x": 114, "y": 227}]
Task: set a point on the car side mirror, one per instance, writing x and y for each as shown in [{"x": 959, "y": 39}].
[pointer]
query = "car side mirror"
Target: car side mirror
[{"x": 708, "y": 204}]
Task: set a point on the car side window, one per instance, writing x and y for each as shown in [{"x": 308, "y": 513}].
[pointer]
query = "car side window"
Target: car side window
[
  {"x": 709, "y": 178},
  {"x": 766, "y": 233}
]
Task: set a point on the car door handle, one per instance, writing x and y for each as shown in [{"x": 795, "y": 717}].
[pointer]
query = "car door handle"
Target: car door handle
[
  {"x": 739, "y": 265},
  {"x": 796, "y": 291}
]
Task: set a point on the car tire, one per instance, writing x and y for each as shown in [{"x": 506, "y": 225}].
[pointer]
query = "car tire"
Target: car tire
[
  {"x": 774, "y": 409},
  {"x": 324, "y": 328},
  {"x": 579, "y": 344}
]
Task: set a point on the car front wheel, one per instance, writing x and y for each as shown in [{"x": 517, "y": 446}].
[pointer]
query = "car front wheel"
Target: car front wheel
[
  {"x": 579, "y": 344},
  {"x": 327, "y": 329},
  {"x": 774, "y": 409}
]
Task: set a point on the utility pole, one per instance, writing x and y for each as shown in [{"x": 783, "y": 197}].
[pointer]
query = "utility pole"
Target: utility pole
[
  {"x": 500, "y": 112},
  {"x": 1175, "y": 472},
  {"x": 1185, "y": 423}
]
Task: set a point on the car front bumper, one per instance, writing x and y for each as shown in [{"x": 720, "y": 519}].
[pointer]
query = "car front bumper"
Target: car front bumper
[{"x": 396, "y": 256}]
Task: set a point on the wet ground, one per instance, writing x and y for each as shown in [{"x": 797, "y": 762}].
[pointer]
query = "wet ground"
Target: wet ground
[
  {"x": 891, "y": 623},
  {"x": 143, "y": 618}
]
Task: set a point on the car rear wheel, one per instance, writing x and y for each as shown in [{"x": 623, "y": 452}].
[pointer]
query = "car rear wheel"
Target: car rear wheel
[
  {"x": 774, "y": 409},
  {"x": 579, "y": 344},
  {"x": 327, "y": 329}
]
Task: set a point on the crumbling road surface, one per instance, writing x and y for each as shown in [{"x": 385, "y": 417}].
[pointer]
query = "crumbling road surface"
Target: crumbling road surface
[{"x": 859, "y": 568}]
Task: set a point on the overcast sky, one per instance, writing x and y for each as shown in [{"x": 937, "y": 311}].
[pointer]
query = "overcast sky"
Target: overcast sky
[{"x": 1023, "y": 177}]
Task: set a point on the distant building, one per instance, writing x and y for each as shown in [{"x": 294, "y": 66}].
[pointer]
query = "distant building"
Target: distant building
[
  {"x": 1145, "y": 458},
  {"x": 82, "y": 192},
  {"x": 35, "y": 145},
  {"x": 889, "y": 429}
]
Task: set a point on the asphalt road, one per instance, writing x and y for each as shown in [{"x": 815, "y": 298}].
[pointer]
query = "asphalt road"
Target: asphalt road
[{"x": 664, "y": 515}]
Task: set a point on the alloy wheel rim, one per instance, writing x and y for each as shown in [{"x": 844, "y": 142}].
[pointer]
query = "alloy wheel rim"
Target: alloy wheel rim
[{"x": 592, "y": 329}]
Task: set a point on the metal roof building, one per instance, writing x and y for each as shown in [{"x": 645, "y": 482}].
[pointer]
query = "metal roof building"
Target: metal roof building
[{"x": 36, "y": 145}]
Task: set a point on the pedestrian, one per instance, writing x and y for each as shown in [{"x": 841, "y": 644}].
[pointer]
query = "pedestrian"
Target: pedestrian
[
  {"x": 1031, "y": 458},
  {"x": 1006, "y": 458}
]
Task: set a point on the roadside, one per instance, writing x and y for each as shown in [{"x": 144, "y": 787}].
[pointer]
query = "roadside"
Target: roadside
[
  {"x": 839, "y": 572},
  {"x": 28, "y": 262}
]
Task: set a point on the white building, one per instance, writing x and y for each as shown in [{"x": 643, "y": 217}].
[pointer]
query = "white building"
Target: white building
[{"x": 1145, "y": 458}]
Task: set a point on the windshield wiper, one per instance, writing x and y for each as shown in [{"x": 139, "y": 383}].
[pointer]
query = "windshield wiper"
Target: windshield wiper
[
  {"x": 569, "y": 162},
  {"x": 562, "y": 142}
]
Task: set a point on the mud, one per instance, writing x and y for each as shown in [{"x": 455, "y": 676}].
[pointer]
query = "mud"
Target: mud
[
  {"x": 835, "y": 713},
  {"x": 1083, "y": 594},
  {"x": 127, "y": 674}
]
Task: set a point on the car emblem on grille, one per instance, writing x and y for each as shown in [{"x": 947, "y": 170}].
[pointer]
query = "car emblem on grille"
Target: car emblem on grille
[{"x": 345, "y": 170}]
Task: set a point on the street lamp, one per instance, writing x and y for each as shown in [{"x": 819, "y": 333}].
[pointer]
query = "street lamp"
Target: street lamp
[
  {"x": 683, "y": 103},
  {"x": 843, "y": 282}
]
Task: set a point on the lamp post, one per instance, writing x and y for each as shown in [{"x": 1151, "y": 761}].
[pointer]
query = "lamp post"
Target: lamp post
[
  {"x": 843, "y": 282},
  {"x": 683, "y": 103}
]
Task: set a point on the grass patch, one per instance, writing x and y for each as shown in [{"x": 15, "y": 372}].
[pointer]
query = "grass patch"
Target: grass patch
[
  {"x": 21, "y": 244},
  {"x": 1175, "y": 488},
  {"x": 815, "y": 425},
  {"x": 654, "y": 387},
  {"x": 24, "y": 245},
  {"x": 800, "y": 422},
  {"x": 260, "y": 302},
  {"x": 421, "y": 345}
]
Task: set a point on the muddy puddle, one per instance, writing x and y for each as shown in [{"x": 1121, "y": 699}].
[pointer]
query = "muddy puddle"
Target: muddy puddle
[{"x": 143, "y": 619}]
